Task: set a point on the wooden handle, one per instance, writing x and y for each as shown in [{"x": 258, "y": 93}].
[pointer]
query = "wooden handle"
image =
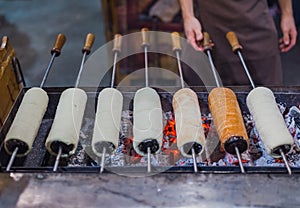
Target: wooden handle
[
  {"x": 89, "y": 41},
  {"x": 59, "y": 43},
  {"x": 117, "y": 43},
  {"x": 206, "y": 41},
  {"x": 145, "y": 37},
  {"x": 233, "y": 41},
  {"x": 176, "y": 41},
  {"x": 4, "y": 42}
]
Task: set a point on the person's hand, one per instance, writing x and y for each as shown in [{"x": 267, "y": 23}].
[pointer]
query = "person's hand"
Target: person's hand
[
  {"x": 289, "y": 32},
  {"x": 193, "y": 32}
]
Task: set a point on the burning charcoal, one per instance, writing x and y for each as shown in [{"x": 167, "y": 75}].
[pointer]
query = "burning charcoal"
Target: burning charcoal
[
  {"x": 294, "y": 112},
  {"x": 166, "y": 105},
  {"x": 169, "y": 133},
  {"x": 248, "y": 120},
  {"x": 206, "y": 122},
  {"x": 78, "y": 159},
  {"x": 131, "y": 157},
  {"x": 265, "y": 156},
  {"x": 125, "y": 156},
  {"x": 233, "y": 160},
  {"x": 230, "y": 160},
  {"x": 254, "y": 152},
  {"x": 254, "y": 136},
  {"x": 163, "y": 160},
  {"x": 173, "y": 155},
  {"x": 212, "y": 146},
  {"x": 282, "y": 107}
]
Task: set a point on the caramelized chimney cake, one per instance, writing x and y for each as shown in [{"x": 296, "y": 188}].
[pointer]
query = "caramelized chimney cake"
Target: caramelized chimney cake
[
  {"x": 67, "y": 122},
  {"x": 147, "y": 121},
  {"x": 228, "y": 120},
  {"x": 269, "y": 121},
  {"x": 189, "y": 128},
  {"x": 107, "y": 121}
]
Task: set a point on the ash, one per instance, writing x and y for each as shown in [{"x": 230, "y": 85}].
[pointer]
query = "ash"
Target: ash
[{"x": 80, "y": 158}]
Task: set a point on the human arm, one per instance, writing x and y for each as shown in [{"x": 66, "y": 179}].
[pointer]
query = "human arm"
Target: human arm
[
  {"x": 287, "y": 25},
  {"x": 192, "y": 26}
]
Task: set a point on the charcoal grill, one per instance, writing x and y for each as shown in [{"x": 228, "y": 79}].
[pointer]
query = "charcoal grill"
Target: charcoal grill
[{"x": 39, "y": 161}]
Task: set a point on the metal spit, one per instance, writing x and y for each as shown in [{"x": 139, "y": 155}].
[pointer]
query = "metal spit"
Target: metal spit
[
  {"x": 116, "y": 50},
  {"x": 55, "y": 52},
  {"x": 86, "y": 51},
  {"x": 237, "y": 48},
  {"x": 145, "y": 46},
  {"x": 177, "y": 49},
  {"x": 207, "y": 49}
]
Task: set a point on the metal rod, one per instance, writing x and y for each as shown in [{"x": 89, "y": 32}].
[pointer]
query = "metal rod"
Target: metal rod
[
  {"x": 179, "y": 68},
  {"x": 253, "y": 86},
  {"x": 147, "y": 84},
  {"x": 57, "y": 159},
  {"x": 80, "y": 69},
  {"x": 239, "y": 159},
  {"x": 246, "y": 69},
  {"x": 182, "y": 86},
  {"x": 194, "y": 160},
  {"x": 213, "y": 68},
  {"x": 114, "y": 70},
  {"x": 103, "y": 159},
  {"x": 218, "y": 85},
  {"x": 146, "y": 66},
  {"x": 47, "y": 70},
  {"x": 148, "y": 160},
  {"x": 12, "y": 159},
  {"x": 285, "y": 161}
]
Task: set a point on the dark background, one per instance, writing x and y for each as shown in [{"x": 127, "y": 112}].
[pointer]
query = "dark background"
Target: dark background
[{"x": 32, "y": 26}]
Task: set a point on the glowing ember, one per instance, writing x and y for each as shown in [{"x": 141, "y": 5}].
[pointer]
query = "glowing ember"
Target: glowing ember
[
  {"x": 128, "y": 150},
  {"x": 170, "y": 131},
  {"x": 206, "y": 122}
]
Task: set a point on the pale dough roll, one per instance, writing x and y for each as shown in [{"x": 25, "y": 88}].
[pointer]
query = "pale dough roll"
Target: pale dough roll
[
  {"x": 27, "y": 121},
  {"x": 108, "y": 119},
  {"x": 268, "y": 120},
  {"x": 227, "y": 115},
  {"x": 147, "y": 118},
  {"x": 67, "y": 121},
  {"x": 189, "y": 127}
]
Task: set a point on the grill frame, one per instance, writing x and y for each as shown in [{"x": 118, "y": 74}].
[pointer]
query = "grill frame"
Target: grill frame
[{"x": 281, "y": 93}]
